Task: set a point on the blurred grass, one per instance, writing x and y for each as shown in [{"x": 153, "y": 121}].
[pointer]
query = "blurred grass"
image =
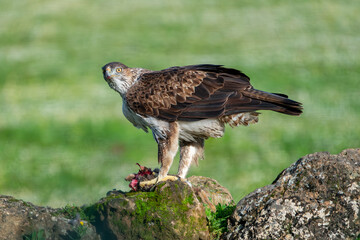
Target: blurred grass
[{"x": 63, "y": 138}]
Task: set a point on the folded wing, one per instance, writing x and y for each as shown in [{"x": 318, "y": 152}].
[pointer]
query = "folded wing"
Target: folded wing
[{"x": 199, "y": 92}]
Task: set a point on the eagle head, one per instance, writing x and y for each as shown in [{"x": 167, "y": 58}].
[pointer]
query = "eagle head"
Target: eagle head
[{"x": 118, "y": 76}]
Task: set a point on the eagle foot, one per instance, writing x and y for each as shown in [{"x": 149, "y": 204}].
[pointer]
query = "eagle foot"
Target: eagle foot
[{"x": 156, "y": 180}]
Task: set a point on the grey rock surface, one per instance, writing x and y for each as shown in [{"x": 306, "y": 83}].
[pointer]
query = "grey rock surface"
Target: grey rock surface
[
  {"x": 23, "y": 220},
  {"x": 318, "y": 197}
]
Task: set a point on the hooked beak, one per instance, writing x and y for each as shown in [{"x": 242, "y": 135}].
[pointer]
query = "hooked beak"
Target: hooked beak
[{"x": 107, "y": 73}]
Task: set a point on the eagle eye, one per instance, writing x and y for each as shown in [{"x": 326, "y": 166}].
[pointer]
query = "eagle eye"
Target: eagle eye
[{"x": 118, "y": 70}]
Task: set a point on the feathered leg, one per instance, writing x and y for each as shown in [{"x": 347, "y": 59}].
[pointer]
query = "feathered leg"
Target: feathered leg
[
  {"x": 189, "y": 152},
  {"x": 167, "y": 149}
]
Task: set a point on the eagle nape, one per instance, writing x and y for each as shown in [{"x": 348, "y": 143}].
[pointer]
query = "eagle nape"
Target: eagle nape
[{"x": 184, "y": 106}]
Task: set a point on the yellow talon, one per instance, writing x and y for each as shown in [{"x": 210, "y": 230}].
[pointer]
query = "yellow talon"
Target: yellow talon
[{"x": 157, "y": 180}]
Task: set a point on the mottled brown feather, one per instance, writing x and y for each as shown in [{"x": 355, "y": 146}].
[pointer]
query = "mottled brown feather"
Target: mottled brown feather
[{"x": 198, "y": 92}]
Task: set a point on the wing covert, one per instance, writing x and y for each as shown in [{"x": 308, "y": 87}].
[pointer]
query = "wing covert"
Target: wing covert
[
  {"x": 178, "y": 92},
  {"x": 198, "y": 92}
]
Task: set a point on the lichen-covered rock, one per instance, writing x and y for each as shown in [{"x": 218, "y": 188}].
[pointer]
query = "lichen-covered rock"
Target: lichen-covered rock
[
  {"x": 318, "y": 197},
  {"x": 171, "y": 211},
  {"x": 23, "y": 220},
  {"x": 210, "y": 192},
  {"x": 174, "y": 210}
]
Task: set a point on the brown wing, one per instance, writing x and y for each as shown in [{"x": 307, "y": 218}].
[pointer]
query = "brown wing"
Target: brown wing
[{"x": 198, "y": 92}]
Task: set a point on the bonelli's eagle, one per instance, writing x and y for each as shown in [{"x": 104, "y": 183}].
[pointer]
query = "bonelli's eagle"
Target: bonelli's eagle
[{"x": 183, "y": 106}]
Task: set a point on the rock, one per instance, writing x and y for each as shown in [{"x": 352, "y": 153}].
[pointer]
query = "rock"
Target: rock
[
  {"x": 210, "y": 192},
  {"x": 174, "y": 210},
  {"x": 23, "y": 220},
  {"x": 318, "y": 197}
]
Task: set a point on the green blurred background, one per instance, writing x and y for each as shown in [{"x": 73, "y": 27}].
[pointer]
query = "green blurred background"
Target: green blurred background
[{"x": 63, "y": 139}]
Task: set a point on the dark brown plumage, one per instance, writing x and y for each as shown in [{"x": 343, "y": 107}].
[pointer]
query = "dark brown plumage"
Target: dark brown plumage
[{"x": 199, "y": 92}]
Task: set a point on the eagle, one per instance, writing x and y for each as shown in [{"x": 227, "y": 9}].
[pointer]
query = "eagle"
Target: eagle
[{"x": 184, "y": 106}]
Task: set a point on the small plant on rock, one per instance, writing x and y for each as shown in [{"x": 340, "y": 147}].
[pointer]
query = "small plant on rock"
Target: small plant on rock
[
  {"x": 217, "y": 221},
  {"x": 35, "y": 235}
]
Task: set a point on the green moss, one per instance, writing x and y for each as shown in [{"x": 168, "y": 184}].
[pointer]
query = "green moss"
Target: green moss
[
  {"x": 72, "y": 212},
  {"x": 147, "y": 214},
  {"x": 85, "y": 213},
  {"x": 217, "y": 221},
  {"x": 100, "y": 206},
  {"x": 10, "y": 200},
  {"x": 26, "y": 204},
  {"x": 156, "y": 204},
  {"x": 188, "y": 200},
  {"x": 155, "y": 212}
]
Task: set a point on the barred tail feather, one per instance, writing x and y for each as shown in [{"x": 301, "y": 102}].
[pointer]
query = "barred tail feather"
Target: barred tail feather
[{"x": 275, "y": 101}]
